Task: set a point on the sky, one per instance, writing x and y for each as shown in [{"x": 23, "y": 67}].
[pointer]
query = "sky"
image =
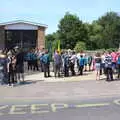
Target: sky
[{"x": 50, "y": 12}]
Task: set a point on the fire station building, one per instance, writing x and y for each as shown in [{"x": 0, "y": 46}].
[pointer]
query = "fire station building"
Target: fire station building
[{"x": 23, "y": 34}]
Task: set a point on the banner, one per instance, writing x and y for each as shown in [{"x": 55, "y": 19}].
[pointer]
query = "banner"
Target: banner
[{"x": 59, "y": 46}]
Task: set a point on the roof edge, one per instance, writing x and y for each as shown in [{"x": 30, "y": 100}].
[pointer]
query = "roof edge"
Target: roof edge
[{"x": 23, "y": 21}]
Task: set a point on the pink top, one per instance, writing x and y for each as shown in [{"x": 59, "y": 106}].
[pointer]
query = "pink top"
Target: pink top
[{"x": 114, "y": 57}]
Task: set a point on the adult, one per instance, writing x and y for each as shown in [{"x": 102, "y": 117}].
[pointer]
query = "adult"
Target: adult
[
  {"x": 86, "y": 62},
  {"x": 118, "y": 65},
  {"x": 90, "y": 59},
  {"x": 57, "y": 63},
  {"x": 103, "y": 63},
  {"x": 42, "y": 53},
  {"x": 72, "y": 63},
  {"x": 108, "y": 67},
  {"x": 35, "y": 60},
  {"x": 11, "y": 68},
  {"x": 3, "y": 68},
  {"x": 97, "y": 65},
  {"x": 66, "y": 64},
  {"x": 41, "y": 62},
  {"x": 81, "y": 64},
  {"x": 29, "y": 60},
  {"x": 114, "y": 60},
  {"x": 20, "y": 65},
  {"x": 46, "y": 62}
]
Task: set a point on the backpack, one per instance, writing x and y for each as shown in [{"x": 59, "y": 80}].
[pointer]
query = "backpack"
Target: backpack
[
  {"x": 66, "y": 61},
  {"x": 118, "y": 61},
  {"x": 41, "y": 58},
  {"x": 81, "y": 62},
  {"x": 89, "y": 59},
  {"x": 45, "y": 59}
]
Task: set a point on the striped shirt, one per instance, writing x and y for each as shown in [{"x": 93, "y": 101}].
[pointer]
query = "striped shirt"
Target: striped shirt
[{"x": 108, "y": 61}]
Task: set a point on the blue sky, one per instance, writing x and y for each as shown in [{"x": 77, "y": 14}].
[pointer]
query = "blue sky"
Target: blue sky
[{"x": 51, "y": 11}]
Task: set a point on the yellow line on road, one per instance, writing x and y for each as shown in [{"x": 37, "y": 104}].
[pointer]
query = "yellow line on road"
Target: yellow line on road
[{"x": 92, "y": 105}]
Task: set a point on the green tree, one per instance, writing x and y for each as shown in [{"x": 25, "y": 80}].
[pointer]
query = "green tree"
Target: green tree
[
  {"x": 110, "y": 33},
  {"x": 95, "y": 38},
  {"x": 80, "y": 46},
  {"x": 70, "y": 31},
  {"x": 51, "y": 41},
  {"x": 102, "y": 33}
]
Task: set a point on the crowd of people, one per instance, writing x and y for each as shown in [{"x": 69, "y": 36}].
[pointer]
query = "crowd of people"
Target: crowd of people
[
  {"x": 65, "y": 63},
  {"x": 11, "y": 66},
  {"x": 107, "y": 63},
  {"x": 70, "y": 63}
]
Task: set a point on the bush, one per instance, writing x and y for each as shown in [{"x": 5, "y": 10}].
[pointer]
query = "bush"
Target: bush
[
  {"x": 112, "y": 49},
  {"x": 80, "y": 46}
]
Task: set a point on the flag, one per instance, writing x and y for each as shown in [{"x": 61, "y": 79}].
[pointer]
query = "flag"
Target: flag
[
  {"x": 49, "y": 46},
  {"x": 59, "y": 46}
]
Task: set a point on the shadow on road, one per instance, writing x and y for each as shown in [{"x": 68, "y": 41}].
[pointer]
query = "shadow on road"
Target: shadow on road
[{"x": 28, "y": 82}]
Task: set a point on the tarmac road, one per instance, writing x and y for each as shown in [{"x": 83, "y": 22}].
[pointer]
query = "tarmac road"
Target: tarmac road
[
  {"x": 63, "y": 100},
  {"x": 90, "y": 109}
]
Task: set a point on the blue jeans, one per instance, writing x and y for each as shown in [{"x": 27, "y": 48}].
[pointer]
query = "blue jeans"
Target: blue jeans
[{"x": 102, "y": 67}]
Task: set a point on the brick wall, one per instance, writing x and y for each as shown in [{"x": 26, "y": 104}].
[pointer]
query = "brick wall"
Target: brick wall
[{"x": 41, "y": 38}]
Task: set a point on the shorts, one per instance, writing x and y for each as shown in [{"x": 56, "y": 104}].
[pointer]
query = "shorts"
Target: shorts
[
  {"x": 113, "y": 65},
  {"x": 97, "y": 66},
  {"x": 20, "y": 68}
]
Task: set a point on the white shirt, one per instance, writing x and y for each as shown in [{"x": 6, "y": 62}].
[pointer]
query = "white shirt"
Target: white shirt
[
  {"x": 73, "y": 58},
  {"x": 103, "y": 58}
]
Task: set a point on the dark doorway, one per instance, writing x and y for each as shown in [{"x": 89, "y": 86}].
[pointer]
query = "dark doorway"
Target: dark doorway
[{"x": 22, "y": 38}]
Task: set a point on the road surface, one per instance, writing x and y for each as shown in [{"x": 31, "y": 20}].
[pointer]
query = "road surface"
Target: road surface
[{"x": 90, "y": 109}]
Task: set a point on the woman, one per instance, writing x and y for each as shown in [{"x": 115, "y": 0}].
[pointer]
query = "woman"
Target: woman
[
  {"x": 11, "y": 68},
  {"x": 97, "y": 65},
  {"x": 3, "y": 68},
  {"x": 90, "y": 60},
  {"x": 86, "y": 62},
  {"x": 118, "y": 65},
  {"x": 81, "y": 64}
]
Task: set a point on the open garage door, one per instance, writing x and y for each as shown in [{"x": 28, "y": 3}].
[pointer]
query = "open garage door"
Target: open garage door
[{"x": 21, "y": 38}]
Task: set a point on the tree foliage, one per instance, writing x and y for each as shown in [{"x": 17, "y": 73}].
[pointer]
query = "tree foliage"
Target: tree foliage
[
  {"x": 100, "y": 34},
  {"x": 71, "y": 30},
  {"x": 80, "y": 46},
  {"x": 51, "y": 41},
  {"x": 110, "y": 32}
]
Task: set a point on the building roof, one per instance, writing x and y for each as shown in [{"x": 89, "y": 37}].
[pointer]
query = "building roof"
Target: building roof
[{"x": 25, "y": 22}]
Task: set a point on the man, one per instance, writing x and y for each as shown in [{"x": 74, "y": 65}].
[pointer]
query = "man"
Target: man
[
  {"x": 3, "y": 68},
  {"x": 57, "y": 63},
  {"x": 72, "y": 63},
  {"x": 108, "y": 66},
  {"x": 114, "y": 60},
  {"x": 11, "y": 68},
  {"x": 29, "y": 60},
  {"x": 46, "y": 62},
  {"x": 66, "y": 64},
  {"x": 41, "y": 62},
  {"x": 118, "y": 65},
  {"x": 81, "y": 64},
  {"x": 102, "y": 70},
  {"x": 85, "y": 62},
  {"x": 90, "y": 59},
  {"x": 35, "y": 61},
  {"x": 20, "y": 65}
]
